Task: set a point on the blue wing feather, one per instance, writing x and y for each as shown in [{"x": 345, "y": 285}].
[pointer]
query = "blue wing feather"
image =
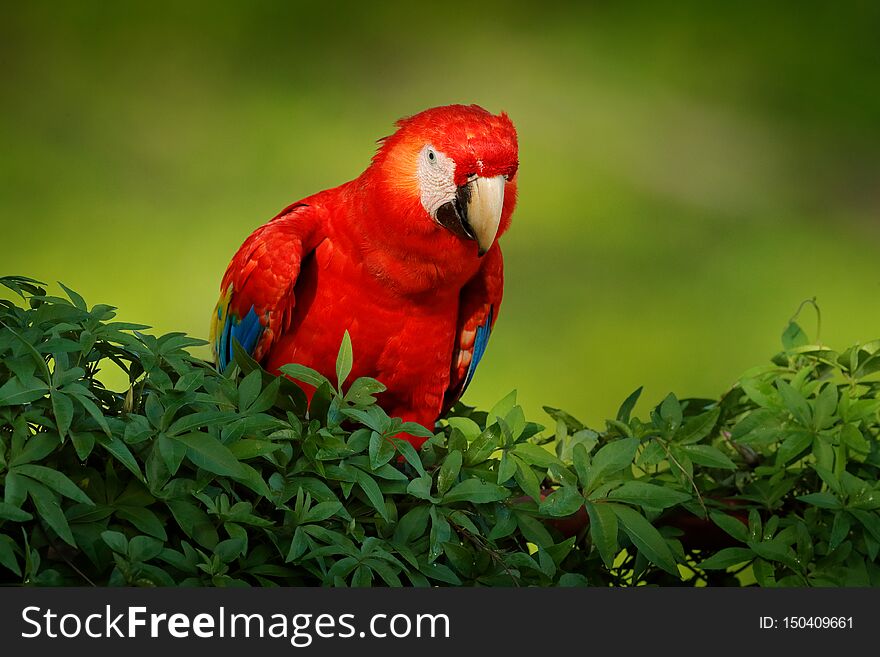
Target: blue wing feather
[
  {"x": 480, "y": 342},
  {"x": 246, "y": 331}
]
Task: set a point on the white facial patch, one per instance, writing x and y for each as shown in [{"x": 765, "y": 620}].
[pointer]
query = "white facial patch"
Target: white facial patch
[{"x": 436, "y": 174}]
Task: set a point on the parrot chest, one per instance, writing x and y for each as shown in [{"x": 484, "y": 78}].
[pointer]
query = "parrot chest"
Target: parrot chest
[{"x": 404, "y": 342}]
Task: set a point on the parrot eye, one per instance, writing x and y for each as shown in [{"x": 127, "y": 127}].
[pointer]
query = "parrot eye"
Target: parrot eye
[{"x": 431, "y": 156}]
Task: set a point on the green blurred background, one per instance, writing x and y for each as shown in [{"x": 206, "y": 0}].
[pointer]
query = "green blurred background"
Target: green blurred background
[{"x": 690, "y": 172}]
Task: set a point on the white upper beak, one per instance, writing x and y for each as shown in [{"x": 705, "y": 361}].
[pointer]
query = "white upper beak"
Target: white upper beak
[{"x": 484, "y": 209}]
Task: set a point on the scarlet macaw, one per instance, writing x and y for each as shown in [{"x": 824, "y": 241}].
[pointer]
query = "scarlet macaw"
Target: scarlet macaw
[{"x": 404, "y": 257}]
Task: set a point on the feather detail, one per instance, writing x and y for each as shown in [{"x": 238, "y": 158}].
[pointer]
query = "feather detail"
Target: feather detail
[
  {"x": 480, "y": 343},
  {"x": 257, "y": 293},
  {"x": 478, "y": 308}
]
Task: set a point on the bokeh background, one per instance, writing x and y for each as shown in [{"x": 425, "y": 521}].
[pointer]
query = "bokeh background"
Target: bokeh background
[{"x": 690, "y": 172}]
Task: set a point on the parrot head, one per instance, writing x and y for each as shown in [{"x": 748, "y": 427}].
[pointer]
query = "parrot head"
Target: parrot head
[{"x": 451, "y": 174}]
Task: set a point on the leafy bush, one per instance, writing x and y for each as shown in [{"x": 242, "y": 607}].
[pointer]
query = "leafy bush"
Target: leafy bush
[{"x": 190, "y": 477}]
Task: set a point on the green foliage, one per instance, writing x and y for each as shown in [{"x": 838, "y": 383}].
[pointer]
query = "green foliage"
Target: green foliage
[{"x": 191, "y": 477}]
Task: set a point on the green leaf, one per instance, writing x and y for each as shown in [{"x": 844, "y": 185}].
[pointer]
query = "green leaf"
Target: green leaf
[
  {"x": 15, "y": 492},
  {"x": 298, "y": 546},
  {"x": 527, "y": 479},
  {"x": 409, "y": 453},
  {"x": 143, "y": 520},
  {"x": 825, "y": 407},
  {"x": 412, "y": 525},
  {"x": 16, "y": 392},
  {"x": 121, "y": 453},
  {"x": 853, "y": 438},
  {"x": 796, "y": 441},
  {"x": 373, "y": 493},
  {"x": 533, "y": 530},
  {"x": 251, "y": 478},
  {"x": 505, "y": 524},
  {"x": 194, "y": 522},
  {"x": 34, "y": 355},
  {"x": 251, "y": 448},
  {"x": 536, "y": 455},
  {"x": 670, "y": 412},
  {"x": 839, "y": 530},
  {"x": 440, "y": 533},
  {"x": 171, "y": 451},
  {"x": 794, "y": 402},
  {"x": 708, "y": 456},
  {"x": 483, "y": 446},
  {"x": 628, "y": 405},
  {"x": 116, "y": 541},
  {"x": 344, "y": 360},
  {"x": 754, "y": 524},
  {"x": 322, "y": 511},
  {"x": 362, "y": 391},
  {"x": 209, "y": 453},
  {"x": 83, "y": 443},
  {"x": 469, "y": 429},
  {"x": 449, "y": 471},
  {"x": 500, "y": 410},
  {"x": 49, "y": 510},
  {"x": 203, "y": 419},
  {"x": 77, "y": 300},
  {"x": 870, "y": 520},
  {"x": 581, "y": 459},
  {"x": 7, "y": 555},
  {"x": 793, "y": 336},
  {"x": 441, "y": 573},
  {"x": 36, "y": 449},
  {"x": 266, "y": 399},
  {"x": 731, "y": 525},
  {"x": 775, "y": 550},
  {"x": 248, "y": 391},
  {"x": 475, "y": 491},
  {"x": 697, "y": 428},
  {"x": 144, "y": 548},
  {"x": 562, "y": 502},
  {"x": 612, "y": 458},
  {"x": 62, "y": 408},
  {"x": 765, "y": 573},
  {"x": 516, "y": 422},
  {"x": 420, "y": 487},
  {"x": 13, "y": 513},
  {"x": 572, "y": 580},
  {"x": 381, "y": 450},
  {"x": 305, "y": 374},
  {"x": 646, "y": 538},
  {"x": 506, "y": 468},
  {"x": 230, "y": 549},
  {"x": 54, "y": 480},
  {"x": 727, "y": 557},
  {"x": 650, "y": 495},
  {"x": 372, "y": 416},
  {"x": 823, "y": 500},
  {"x": 415, "y": 429}
]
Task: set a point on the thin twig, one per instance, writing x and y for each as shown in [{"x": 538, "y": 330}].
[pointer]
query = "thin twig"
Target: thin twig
[
  {"x": 60, "y": 553},
  {"x": 685, "y": 472}
]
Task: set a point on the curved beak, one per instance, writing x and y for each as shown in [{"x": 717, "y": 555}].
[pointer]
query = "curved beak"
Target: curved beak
[{"x": 476, "y": 211}]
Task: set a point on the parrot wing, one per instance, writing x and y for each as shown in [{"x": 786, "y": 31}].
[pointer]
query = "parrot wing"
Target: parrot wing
[
  {"x": 478, "y": 309},
  {"x": 256, "y": 295}
]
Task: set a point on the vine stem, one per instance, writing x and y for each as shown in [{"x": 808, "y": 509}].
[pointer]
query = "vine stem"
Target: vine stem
[
  {"x": 811, "y": 301},
  {"x": 685, "y": 473}
]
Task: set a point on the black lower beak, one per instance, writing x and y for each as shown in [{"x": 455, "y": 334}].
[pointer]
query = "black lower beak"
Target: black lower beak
[{"x": 453, "y": 214}]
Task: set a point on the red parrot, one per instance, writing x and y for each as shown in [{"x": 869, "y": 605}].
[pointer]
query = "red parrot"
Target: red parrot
[{"x": 405, "y": 257}]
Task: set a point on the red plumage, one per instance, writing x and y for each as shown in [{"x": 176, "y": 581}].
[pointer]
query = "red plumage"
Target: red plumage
[{"x": 374, "y": 257}]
